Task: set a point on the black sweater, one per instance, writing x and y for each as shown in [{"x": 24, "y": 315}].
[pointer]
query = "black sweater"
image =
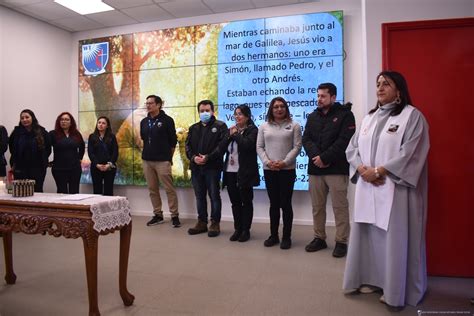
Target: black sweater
[
  {"x": 327, "y": 136},
  {"x": 68, "y": 151},
  {"x": 159, "y": 137},
  {"x": 25, "y": 150}
]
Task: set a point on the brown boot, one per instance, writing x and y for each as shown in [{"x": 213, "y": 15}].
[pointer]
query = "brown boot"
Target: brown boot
[
  {"x": 214, "y": 229},
  {"x": 201, "y": 227}
]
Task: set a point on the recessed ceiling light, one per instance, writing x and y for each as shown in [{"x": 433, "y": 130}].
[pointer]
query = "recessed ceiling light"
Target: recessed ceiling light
[{"x": 85, "y": 6}]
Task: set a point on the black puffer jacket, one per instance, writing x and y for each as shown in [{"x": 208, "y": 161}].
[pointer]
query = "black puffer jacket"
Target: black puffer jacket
[
  {"x": 327, "y": 136},
  {"x": 247, "y": 176},
  {"x": 207, "y": 140}
]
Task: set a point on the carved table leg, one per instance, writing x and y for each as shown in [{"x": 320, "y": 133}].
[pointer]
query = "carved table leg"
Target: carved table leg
[
  {"x": 10, "y": 276},
  {"x": 125, "y": 234},
  {"x": 90, "y": 252}
]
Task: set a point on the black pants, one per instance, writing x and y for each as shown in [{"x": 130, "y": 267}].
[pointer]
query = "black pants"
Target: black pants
[
  {"x": 241, "y": 200},
  {"x": 32, "y": 173},
  {"x": 103, "y": 181},
  {"x": 67, "y": 181},
  {"x": 280, "y": 191}
]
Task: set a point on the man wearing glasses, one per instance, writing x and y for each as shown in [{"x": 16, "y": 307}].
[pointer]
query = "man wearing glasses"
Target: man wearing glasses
[{"x": 158, "y": 133}]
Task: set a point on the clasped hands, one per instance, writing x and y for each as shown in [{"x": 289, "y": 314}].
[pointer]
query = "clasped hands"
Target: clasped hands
[
  {"x": 369, "y": 174},
  {"x": 318, "y": 162},
  {"x": 276, "y": 165},
  {"x": 200, "y": 159},
  {"x": 103, "y": 167}
]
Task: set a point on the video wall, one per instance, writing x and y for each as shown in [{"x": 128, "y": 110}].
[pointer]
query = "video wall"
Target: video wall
[{"x": 249, "y": 61}]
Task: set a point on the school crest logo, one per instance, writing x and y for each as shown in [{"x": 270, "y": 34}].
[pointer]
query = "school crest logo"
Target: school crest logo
[{"x": 95, "y": 57}]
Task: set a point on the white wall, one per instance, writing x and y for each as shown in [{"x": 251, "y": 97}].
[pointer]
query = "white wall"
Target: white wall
[
  {"x": 35, "y": 63},
  {"x": 301, "y": 201}
]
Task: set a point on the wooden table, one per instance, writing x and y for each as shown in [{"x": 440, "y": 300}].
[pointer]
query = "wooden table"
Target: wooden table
[{"x": 70, "y": 221}]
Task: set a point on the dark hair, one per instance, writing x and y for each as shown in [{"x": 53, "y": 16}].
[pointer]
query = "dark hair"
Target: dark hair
[
  {"x": 245, "y": 110},
  {"x": 402, "y": 87},
  {"x": 73, "y": 132},
  {"x": 329, "y": 86},
  {"x": 206, "y": 102},
  {"x": 270, "y": 117},
  {"x": 158, "y": 100},
  {"x": 35, "y": 127},
  {"x": 108, "y": 130}
]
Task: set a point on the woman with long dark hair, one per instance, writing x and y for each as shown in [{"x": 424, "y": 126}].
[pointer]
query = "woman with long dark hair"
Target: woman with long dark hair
[
  {"x": 278, "y": 145},
  {"x": 103, "y": 153},
  {"x": 69, "y": 149},
  {"x": 388, "y": 158},
  {"x": 30, "y": 148},
  {"x": 241, "y": 171}
]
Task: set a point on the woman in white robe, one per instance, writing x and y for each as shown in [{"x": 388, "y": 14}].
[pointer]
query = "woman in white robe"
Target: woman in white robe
[{"x": 388, "y": 158}]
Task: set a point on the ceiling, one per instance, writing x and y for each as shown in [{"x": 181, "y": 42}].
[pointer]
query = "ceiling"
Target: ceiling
[{"x": 134, "y": 11}]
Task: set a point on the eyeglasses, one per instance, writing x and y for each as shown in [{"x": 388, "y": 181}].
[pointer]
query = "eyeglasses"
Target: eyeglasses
[
  {"x": 149, "y": 103},
  {"x": 238, "y": 114}
]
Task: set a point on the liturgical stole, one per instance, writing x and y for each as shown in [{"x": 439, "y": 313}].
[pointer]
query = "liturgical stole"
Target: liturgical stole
[{"x": 373, "y": 204}]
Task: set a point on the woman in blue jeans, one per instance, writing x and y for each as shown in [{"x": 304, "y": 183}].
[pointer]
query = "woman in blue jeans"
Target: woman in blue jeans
[{"x": 278, "y": 145}]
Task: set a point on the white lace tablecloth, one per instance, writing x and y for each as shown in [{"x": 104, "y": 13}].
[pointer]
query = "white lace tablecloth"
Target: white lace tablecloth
[{"x": 108, "y": 212}]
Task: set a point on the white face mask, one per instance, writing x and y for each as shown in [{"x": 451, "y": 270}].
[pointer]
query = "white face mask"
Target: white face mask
[{"x": 205, "y": 117}]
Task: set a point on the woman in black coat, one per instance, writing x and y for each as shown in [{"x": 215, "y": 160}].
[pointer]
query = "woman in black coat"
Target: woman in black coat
[
  {"x": 103, "y": 153},
  {"x": 241, "y": 171},
  {"x": 69, "y": 149},
  {"x": 30, "y": 148},
  {"x": 3, "y": 149}
]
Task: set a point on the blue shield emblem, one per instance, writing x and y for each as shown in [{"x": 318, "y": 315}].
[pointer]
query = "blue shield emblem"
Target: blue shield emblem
[{"x": 95, "y": 57}]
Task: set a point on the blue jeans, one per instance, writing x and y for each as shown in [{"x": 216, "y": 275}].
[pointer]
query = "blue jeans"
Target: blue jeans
[{"x": 207, "y": 181}]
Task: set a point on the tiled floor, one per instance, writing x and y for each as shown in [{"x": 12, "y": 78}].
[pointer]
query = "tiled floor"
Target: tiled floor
[{"x": 172, "y": 273}]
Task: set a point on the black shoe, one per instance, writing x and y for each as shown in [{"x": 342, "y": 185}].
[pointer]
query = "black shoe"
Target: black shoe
[
  {"x": 316, "y": 245},
  {"x": 271, "y": 241},
  {"x": 155, "y": 220},
  {"x": 244, "y": 236},
  {"x": 235, "y": 236},
  {"x": 175, "y": 221},
  {"x": 340, "y": 250},
  {"x": 285, "y": 243}
]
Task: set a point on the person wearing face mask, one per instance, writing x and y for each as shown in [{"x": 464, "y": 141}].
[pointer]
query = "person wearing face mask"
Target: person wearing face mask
[
  {"x": 30, "y": 148},
  {"x": 205, "y": 147},
  {"x": 388, "y": 158},
  {"x": 326, "y": 135},
  {"x": 158, "y": 133},
  {"x": 278, "y": 145},
  {"x": 241, "y": 171},
  {"x": 68, "y": 148}
]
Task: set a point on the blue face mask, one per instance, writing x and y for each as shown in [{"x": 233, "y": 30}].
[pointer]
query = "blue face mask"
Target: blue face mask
[{"x": 205, "y": 117}]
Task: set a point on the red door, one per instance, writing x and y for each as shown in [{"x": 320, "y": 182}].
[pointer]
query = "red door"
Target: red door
[{"x": 437, "y": 59}]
